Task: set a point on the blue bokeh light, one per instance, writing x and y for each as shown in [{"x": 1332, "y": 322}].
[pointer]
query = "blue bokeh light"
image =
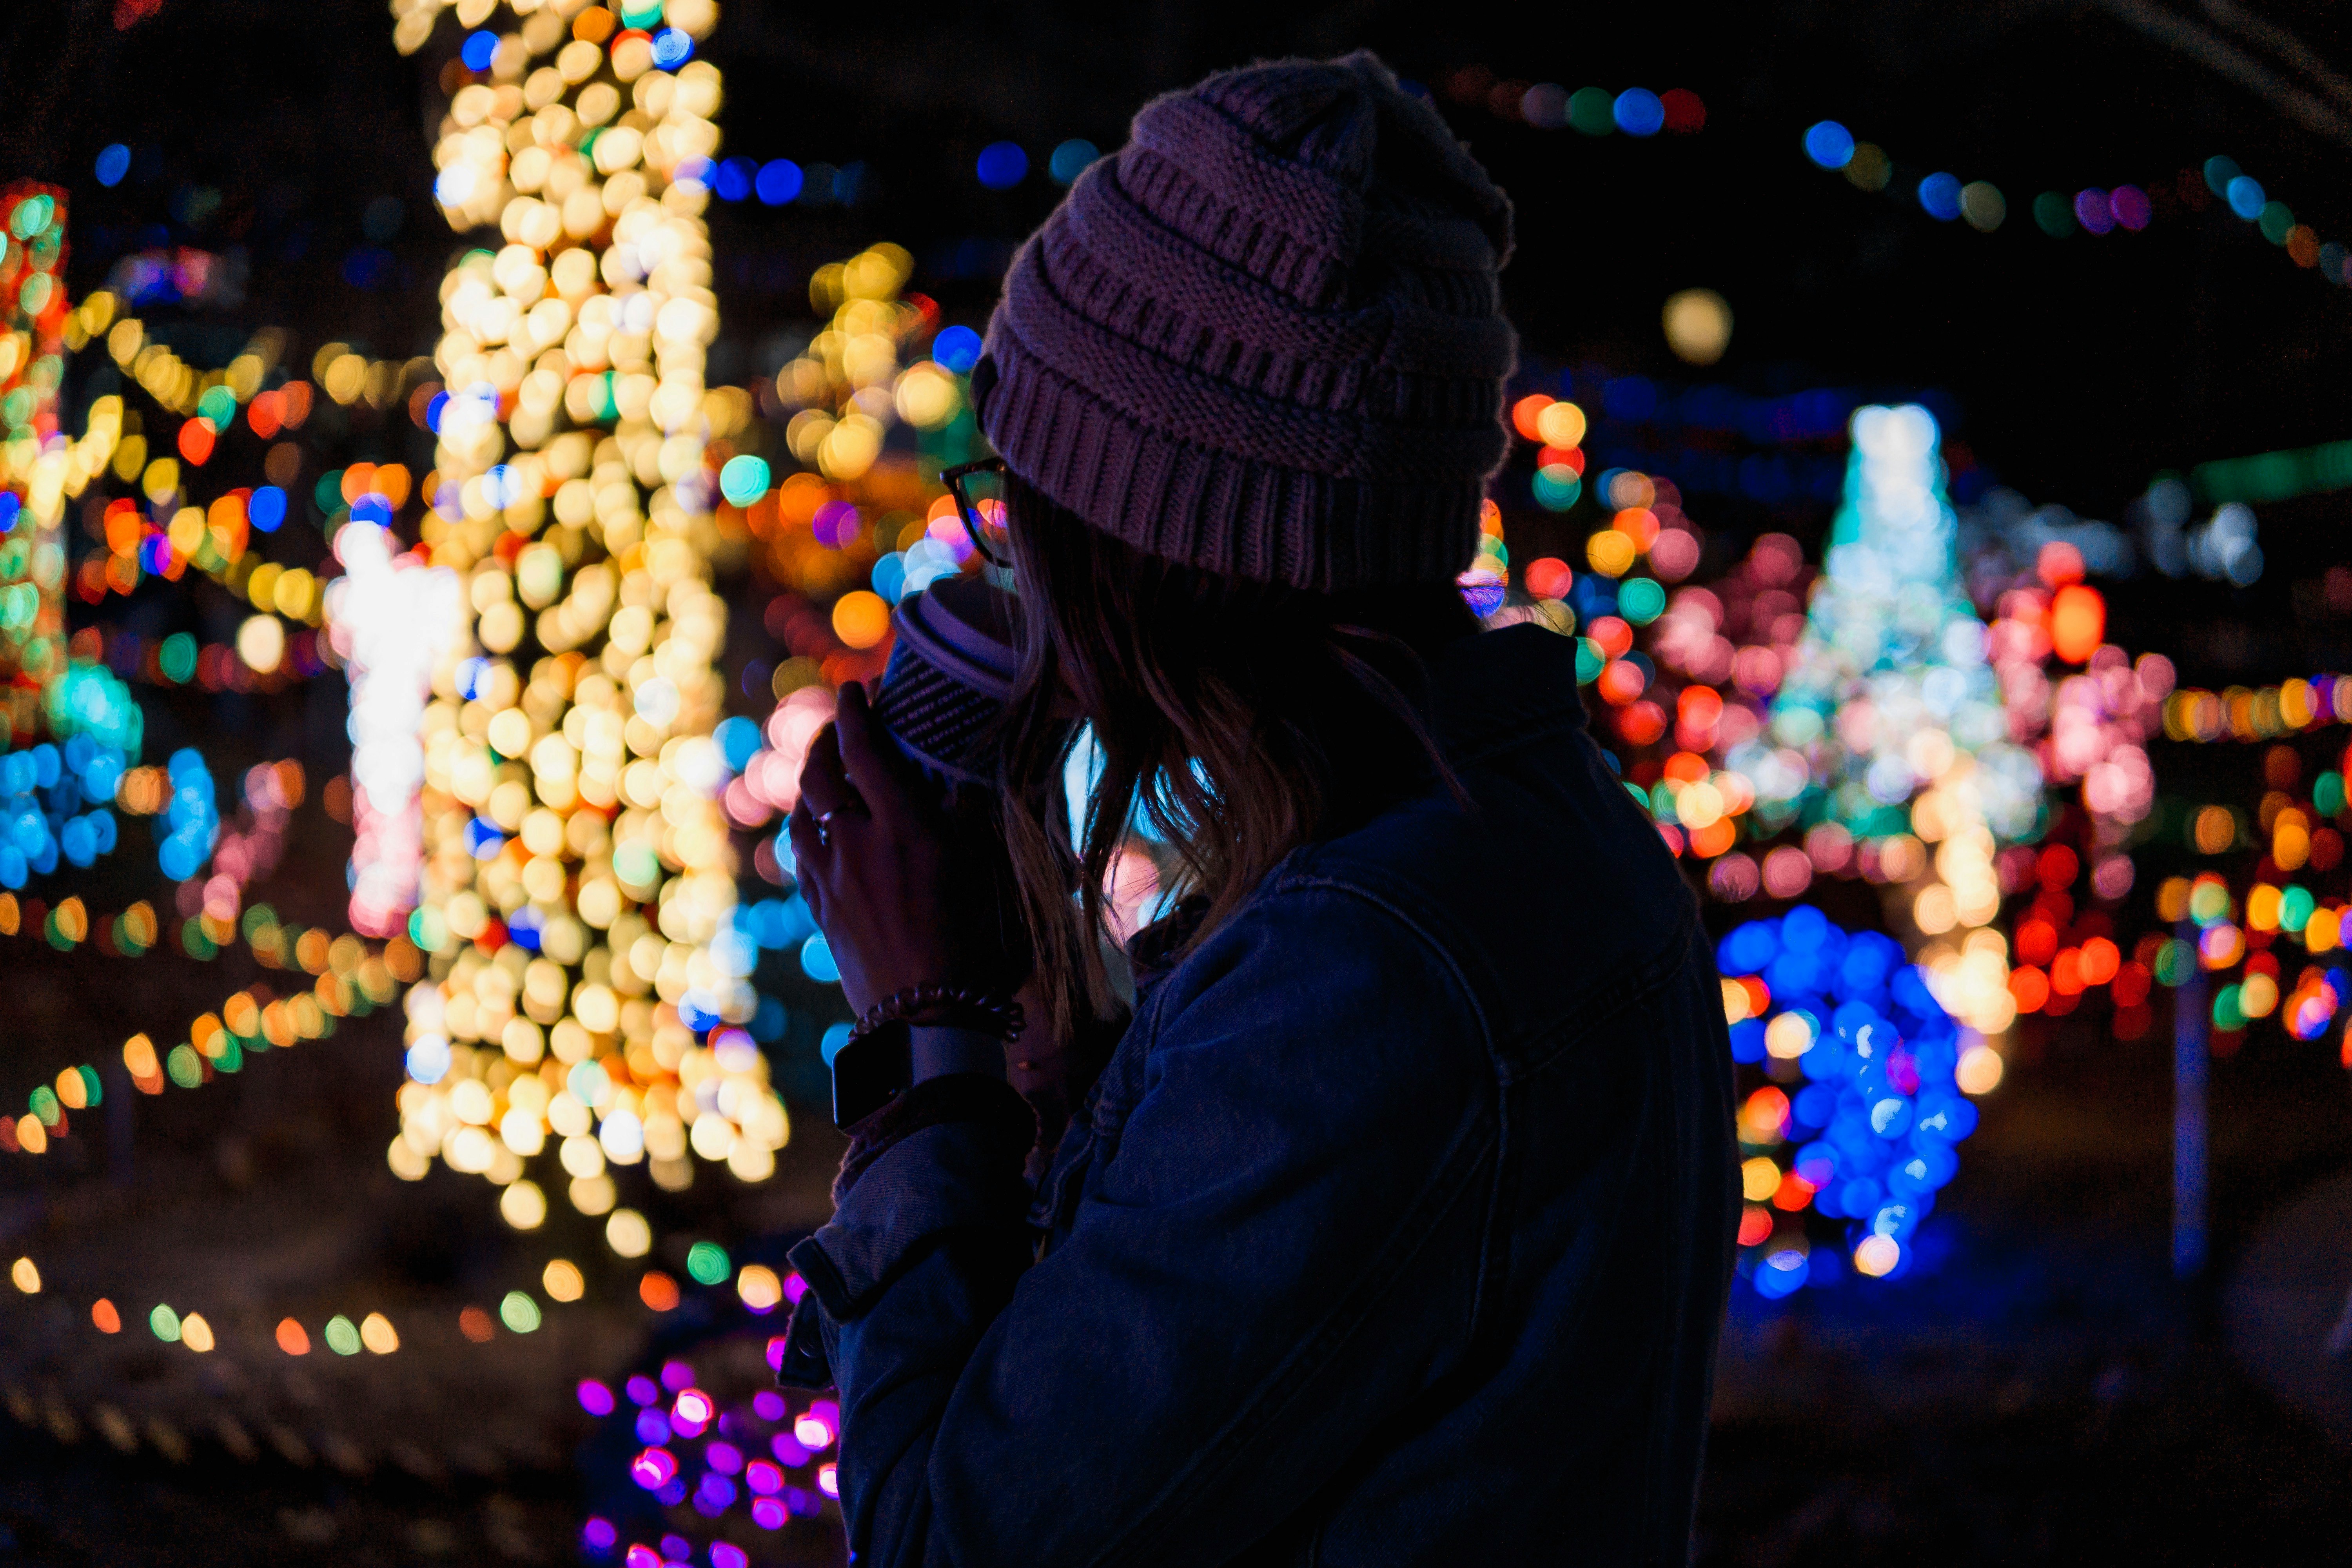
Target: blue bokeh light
[
  {"x": 1070, "y": 160},
  {"x": 957, "y": 348},
  {"x": 1829, "y": 144},
  {"x": 816, "y": 960},
  {"x": 1002, "y": 165},
  {"x": 779, "y": 180},
  {"x": 1940, "y": 196},
  {"x": 1638, "y": 113}
]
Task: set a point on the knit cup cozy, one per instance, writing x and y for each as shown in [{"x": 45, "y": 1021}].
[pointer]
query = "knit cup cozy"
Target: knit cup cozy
[{"x": 1265, "y": 339}]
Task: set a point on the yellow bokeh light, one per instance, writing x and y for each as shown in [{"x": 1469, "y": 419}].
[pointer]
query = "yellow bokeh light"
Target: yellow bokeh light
[
  {"x": 1978, "y": 1070},
  {"x": 1562, "y": 425},
  {"x": 2258, "y": 997},
  {"x": 1877, "y": 1256},
  {"x": 1611, "y": 552},
  {"x": 1759, "y": 1178},
  {"x": 523, "y": 1206},
  {"x": 25, "y": 1277},
  {"x": 627, "y": 1234},
  {"x": 759, "y": 1286},
  {"x": 1698, "y": 325},
  {"x": 376, "y": 1333},
  {"x": 1789, "y": 1037},
  {"x": 195, "y": 1333},
  {"x": 562, "y": 1282},
  {"x": 261, "y": 643}
]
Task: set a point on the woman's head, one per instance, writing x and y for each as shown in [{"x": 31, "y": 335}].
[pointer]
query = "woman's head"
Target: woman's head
[
  {"x": 1233, "y": 720},
  {"x": 1248, "y": 381}
]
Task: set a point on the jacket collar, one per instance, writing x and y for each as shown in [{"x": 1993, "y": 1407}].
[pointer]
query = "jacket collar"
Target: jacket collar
[{"x": 1504, "y": 689}]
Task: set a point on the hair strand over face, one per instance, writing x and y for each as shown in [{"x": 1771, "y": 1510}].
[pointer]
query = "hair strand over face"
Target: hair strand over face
[{"x": 1235, "y": 720}]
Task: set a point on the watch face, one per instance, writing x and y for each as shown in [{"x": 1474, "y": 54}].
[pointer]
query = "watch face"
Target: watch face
[{"x": 868, "y": 1073}]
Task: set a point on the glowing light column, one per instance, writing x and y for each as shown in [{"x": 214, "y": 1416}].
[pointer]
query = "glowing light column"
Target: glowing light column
[
  {"x": 394, "y": 619},
  {"x": 577, "y": 866},
  {"x": 37, "y": 465},
  {"x": 1892, "y": 699}
]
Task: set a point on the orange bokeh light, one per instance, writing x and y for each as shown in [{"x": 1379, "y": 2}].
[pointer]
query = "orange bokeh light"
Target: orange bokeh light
[
  {"x": 1527, "y": 411},
  {"x": 196, "y": 441},
  {"x": 2078, "y": 622}
]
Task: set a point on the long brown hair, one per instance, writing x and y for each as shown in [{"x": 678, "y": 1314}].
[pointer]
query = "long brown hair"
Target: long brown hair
[{"x": 1238, "y": 720}]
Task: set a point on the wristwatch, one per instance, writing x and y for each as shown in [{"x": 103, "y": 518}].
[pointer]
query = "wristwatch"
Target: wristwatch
[{"x": 876, "y": 1068}]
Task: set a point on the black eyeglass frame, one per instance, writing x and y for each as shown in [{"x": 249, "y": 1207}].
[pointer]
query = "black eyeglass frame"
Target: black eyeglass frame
[{"x": 965, "y": 511}]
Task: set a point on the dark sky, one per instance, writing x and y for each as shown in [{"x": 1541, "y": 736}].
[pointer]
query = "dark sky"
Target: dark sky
[{"x": 2078, "y": 367}]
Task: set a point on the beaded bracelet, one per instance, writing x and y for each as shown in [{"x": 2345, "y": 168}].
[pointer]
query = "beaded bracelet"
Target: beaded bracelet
[{"x": 996, "y": 1015}]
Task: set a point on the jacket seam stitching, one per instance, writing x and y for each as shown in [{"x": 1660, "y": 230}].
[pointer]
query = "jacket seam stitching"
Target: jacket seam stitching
[{"x": 1412, "y": 1233}]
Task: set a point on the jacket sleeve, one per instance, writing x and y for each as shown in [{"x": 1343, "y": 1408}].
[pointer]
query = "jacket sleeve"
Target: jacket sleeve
[{"x": 1282, "y": 1250}]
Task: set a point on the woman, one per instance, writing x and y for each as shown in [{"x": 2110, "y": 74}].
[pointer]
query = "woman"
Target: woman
[{"x": 1397, "y": 1227}]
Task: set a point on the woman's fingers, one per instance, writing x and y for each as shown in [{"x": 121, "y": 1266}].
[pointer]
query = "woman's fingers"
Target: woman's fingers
[
  {"x": 869, "y": 761},
  {"x": 811, "y": 853},
  {"x": 826, "y": 788}
]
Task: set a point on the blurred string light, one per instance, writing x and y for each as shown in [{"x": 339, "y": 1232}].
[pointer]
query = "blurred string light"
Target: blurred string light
[
  {"x": 2092, "y": 209},
  {"x": 1666, "y": 429},
  {"x": 204, "y": 935},
  {"x": 1635, "y": 111},
  {"x": 2275, "y": 476},
  {"x": 1941, "y": 195},
  {"x": 781, "y": 182},
  {"x": 577, "y": 880},
  {"x": 1877, "y": 1075},
  {"x": 2244, "y": 714},
  {"x": 352, "y": 980}
]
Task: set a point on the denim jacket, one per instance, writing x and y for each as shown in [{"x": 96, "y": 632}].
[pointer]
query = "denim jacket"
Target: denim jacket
[{"x": 1397, "y": 1230}]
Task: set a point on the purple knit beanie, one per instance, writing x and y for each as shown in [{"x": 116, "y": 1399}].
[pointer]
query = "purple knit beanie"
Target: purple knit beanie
[{"x": 1266, "y": 338}]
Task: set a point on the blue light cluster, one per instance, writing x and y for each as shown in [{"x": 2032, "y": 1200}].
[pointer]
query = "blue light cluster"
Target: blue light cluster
[
  {"x": 57, "y": 798},
  {"x": 43, "y": 792},
  {"x": 190, "y": 826},
  {"x": 1874, "y": 1124}
]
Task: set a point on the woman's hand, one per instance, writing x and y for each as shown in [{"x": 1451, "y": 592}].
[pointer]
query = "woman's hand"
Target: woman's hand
[{"x": 906, "y": 893}]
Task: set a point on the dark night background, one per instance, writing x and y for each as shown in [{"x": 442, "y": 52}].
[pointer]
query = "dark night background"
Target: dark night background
[{"x": 2042, "y": 1391}]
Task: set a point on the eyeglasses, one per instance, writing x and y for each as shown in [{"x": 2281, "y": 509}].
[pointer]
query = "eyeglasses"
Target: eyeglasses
[{"x": 979, "y": 492}]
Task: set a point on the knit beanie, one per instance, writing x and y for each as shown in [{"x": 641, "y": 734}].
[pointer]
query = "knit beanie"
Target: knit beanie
[{"x": 1266, "y": 338}]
